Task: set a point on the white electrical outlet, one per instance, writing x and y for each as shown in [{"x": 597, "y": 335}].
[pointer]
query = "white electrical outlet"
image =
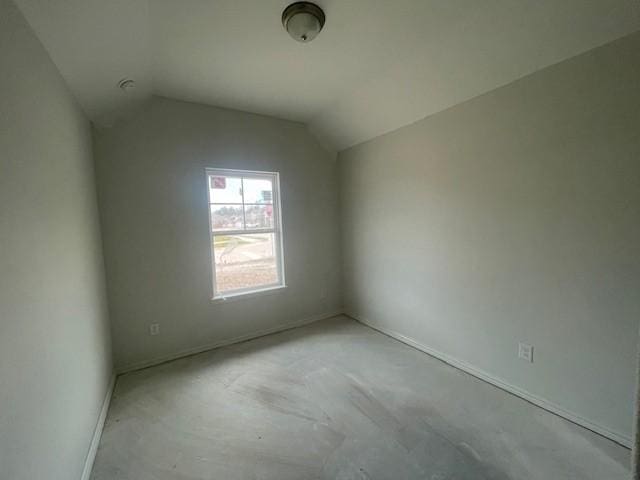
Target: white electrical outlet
[
  {"x": 525, "y": 352},
  {"x": 323, "y": 293},
  {"x": 154, "y": 329}
]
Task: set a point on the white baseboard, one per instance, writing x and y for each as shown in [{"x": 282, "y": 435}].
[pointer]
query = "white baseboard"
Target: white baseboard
[
  {"x": 223, "y": 343},
  {"x": 97, "y": 433},
  {"x": 543, "y": 403}
]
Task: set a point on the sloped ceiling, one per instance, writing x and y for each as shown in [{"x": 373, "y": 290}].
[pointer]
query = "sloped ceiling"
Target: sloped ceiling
[{"x": 376, "y": 66}]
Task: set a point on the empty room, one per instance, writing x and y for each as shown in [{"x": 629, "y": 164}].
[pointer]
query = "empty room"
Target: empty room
[{"x": 339, "y": 239}]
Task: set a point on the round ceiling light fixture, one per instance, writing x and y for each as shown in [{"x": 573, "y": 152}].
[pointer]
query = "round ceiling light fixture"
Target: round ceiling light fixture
[{"x": 303, "y": 21}]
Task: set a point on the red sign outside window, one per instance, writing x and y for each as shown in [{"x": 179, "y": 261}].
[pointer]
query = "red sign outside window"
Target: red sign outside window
[{"x": 219, "y": 182}]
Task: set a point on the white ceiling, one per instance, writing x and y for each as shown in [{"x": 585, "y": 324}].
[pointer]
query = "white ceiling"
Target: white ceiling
[{"x": 376, "y": 66}]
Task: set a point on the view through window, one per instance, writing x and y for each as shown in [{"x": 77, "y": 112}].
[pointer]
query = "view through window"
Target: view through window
[{"x": 246, "y": 234}]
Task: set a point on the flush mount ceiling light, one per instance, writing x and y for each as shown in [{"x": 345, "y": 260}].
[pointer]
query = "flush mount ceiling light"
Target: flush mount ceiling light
[{"x": 303, "y": 21}]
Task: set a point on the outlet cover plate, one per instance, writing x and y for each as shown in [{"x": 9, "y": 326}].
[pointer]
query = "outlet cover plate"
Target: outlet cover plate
[{"x": 525, "y": 352}]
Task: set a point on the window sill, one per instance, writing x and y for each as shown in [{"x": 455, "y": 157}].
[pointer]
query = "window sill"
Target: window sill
[{"x": 233, "y": 297}]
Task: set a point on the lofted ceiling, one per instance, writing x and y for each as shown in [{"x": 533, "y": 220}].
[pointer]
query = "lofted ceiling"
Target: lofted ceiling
[{"x": 376, "y": 66}]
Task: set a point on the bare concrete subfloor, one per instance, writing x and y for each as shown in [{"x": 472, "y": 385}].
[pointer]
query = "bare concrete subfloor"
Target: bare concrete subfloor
[{"x": 335, "y": 400}]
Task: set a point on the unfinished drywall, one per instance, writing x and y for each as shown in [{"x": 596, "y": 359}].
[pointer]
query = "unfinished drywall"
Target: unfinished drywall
[
  {"x": 55, "y": 359},
  {"x": 153, "y": 203},
  {"x": 514, "y": 217}
]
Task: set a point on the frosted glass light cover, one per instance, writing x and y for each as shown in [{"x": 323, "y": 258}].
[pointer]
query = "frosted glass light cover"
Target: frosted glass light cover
[{"x": 303, "y": 27}]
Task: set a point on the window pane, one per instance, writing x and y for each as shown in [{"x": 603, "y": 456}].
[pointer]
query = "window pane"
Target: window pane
[
  {"x": 258, "y": 216},
  {"x": 226, "y": 217},
  {"x": 244, "y": 261},
  {"x": 224, "y": 189},
  {"x": 258, "y": 190}
]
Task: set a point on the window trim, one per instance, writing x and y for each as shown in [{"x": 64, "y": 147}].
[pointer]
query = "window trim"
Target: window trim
[
  {"x": 262, "y": 292},
  {"x": 277, "y": 231}
]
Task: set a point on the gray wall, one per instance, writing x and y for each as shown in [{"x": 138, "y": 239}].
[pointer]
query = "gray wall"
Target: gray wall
[
  {"x": 55, "y": 359},
  {"x": 512, "y": 217},
  {"x": 153, "y": 203}
]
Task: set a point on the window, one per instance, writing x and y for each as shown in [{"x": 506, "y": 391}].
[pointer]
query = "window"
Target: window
[{"x": 246, "y": 231}]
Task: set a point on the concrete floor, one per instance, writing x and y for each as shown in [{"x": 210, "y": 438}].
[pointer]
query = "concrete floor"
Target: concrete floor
[{"x": 335, "y": 400}]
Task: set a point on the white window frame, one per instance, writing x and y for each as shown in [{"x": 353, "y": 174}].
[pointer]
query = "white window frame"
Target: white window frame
[{"x": 274, "y": 177}]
